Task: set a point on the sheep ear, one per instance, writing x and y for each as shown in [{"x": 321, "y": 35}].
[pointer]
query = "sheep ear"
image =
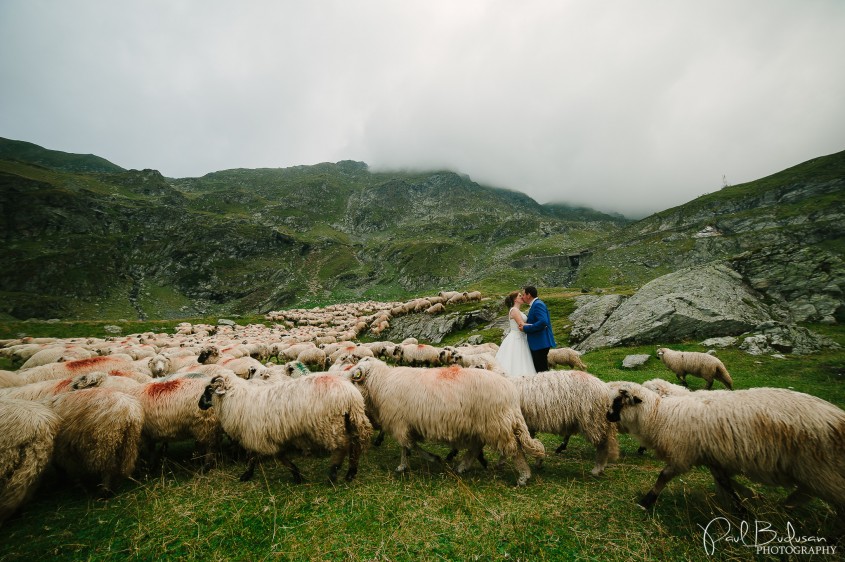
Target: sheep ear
[
  {"x": 357, "y": 375},
  {"x": 220, "y": 390},
  {"x": 637, "y": 400}
]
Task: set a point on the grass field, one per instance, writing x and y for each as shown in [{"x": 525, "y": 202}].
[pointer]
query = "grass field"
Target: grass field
[{"x": 431, "y": 513}]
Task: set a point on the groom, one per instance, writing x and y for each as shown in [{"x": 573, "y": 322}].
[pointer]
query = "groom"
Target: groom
[{"x": 538, "y": 328}]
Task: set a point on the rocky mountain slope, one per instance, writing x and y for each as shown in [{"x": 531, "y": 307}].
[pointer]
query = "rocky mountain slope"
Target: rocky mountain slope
[{"x": 84, "y": 238}]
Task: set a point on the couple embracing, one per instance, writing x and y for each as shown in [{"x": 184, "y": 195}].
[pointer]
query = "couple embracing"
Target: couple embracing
[{"x": 525, "y": 349}]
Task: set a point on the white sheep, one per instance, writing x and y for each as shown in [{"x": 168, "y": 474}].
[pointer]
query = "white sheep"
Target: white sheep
[
  {"x": 27, "y": 436},
  {"x": 464, "y": 408},
  {"x": 43, "y": 389},
  {"x": 566, "y": 356},
  {"x": 57, "y": 354},
  {"x": 419, "y": 354},
  {"x": 320, "y": 411},
  {"x": 313, "y": 356},
  {"x": 568, "y": 402},
  {"x": 99, "y": 434},
  {"x": 435, "y": 309},
  {"x": 774, "y": 436},
  {"x": 666, "y": 388},
  {"x": 703, "y": 365}
]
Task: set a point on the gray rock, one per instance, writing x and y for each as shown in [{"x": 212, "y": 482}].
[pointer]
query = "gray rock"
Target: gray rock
[
  {"x": 226, "y": 322},
  {"x": 726, "y": 341},
  {"x": 781, "y": 338},
  {"x": 699, "y": 302},
  {"x": 634, "y": 361},
  {"x": 426, "y": 327},
  {"x": 111, "y": 329},
  {"x": 591, "y": 313}
]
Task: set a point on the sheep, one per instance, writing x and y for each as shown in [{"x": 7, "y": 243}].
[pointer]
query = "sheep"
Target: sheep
[
  {"x": 241, "y": 366},
  {"x": 314, "y": 357},
  {"x": 319, "y": 411},
  {"x": 418, "y": 354},
  {"x": 771, "y": 435},
  {"x": 566, "y": 356},
  {"x": 702, "y": 365},
  {"x": 43, "y": 389},
  {"x": 465, "y": 408},
  {"x": 27, "y": 436},
  {"x": 435, "y": 309},
  {"x": 99, "y": 434},
  {"x": 170, "y": 414},
  {"x": 381, "y": 349},
  {"x": 78, "y": 367},
  {"x": 666, "y": 388},
  {"x": 569, "y": 402},
  {"x": 57, "y": 354}
]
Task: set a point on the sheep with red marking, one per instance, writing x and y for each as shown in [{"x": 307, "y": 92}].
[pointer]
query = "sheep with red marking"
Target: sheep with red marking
[
  {"x": 43, "y": 389},
  {"x": 317, "y": 412},
  {"x": 57, "y": 354},
  {"x": 774, "y": 436},
  {"x": 78, "y": 367},
  {"x": 418, "y": 355},
  {"x": 171, "y": 414},
  {"x": 99, "y": 434},
  {"x": 464, "y": 408},
  {"x": 568, "y": 402},
  {"x": 27, "y": 436}
]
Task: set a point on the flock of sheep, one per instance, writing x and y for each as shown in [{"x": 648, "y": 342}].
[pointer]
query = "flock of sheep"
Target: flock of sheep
[{"x": 93, "y": 407}]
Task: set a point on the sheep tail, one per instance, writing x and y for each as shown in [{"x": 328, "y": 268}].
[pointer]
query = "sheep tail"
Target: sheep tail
[{"x": 530, "y": 446}]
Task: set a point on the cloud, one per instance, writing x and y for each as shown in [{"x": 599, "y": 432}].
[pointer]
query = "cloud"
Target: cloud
[{"x": 631, "y": 107}]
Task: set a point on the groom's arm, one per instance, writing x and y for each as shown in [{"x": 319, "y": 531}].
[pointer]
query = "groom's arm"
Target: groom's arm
[{"x": 542, "y": 320}]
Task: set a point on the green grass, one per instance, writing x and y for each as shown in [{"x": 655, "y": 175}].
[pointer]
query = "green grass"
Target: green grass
[{"x": 429, "y": 513}]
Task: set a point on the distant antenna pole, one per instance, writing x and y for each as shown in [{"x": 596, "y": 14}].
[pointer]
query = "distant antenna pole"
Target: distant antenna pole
[{"x": 725, "y": 181}]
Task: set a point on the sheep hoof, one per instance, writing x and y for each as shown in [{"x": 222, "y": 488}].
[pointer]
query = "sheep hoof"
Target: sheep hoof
[
  {"x": 597, "y": 471},
  {"x": 401, "y": 468},
  {"x": 647, "y": 501},
  {"x": 521, "y": 481}
]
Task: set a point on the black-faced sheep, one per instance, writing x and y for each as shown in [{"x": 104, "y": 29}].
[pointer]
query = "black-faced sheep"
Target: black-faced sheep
[
  {"x": 703, "y": 365},
  {"x": 464, "y": 408},
  {"x": 317, "y": 412},
  {"x": 27, "y": 436},
  {"x": 568, "y": 402},
  {"x": 774, "y": 436}
]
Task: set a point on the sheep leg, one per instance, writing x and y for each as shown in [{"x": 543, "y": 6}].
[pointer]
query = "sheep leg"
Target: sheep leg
[
  {"x": 726, "y": 485},
  {"x": 355, "y": 449},
  {"x": 403, "y": 460},
  {"x": 379, "y": 438},
  {"x": 663, "y": 478},
  {"x": 602, "y": 456},
  {"x": 337, "y": 462},
  {"x": 709, "y": 384},
  {"x": 250, "y": 468},
  {"x": 430, "y": 457},
  {"x": 473, "y": 453},
  {"x": 562, "y": 447},
  {"x": 294, "y": 470}
]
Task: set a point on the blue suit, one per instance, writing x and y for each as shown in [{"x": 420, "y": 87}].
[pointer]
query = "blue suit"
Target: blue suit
[{"x": 538, "y": 327}]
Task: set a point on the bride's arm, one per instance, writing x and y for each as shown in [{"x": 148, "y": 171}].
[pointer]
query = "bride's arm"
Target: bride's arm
[{"x": 517, "y": 316}]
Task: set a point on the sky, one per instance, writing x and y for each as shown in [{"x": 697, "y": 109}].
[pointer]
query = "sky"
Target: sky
[{"x": 624, "y": 106}]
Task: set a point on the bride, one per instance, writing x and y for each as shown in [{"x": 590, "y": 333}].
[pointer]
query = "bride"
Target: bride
[{"x": 513, "y": 355}]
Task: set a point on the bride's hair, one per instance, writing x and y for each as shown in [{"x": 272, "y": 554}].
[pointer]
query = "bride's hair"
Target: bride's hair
[{"x": 511, "y": 299}]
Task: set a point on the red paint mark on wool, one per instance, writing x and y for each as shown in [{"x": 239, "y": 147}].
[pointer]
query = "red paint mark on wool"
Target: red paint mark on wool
[
  {"x": 450, "y": 373},
  {"x": 158, "y": 389},
  {"x": 119, "y": 373},
  {"x": 61, "y": 385},
  {"x": 325, "y": 381},
  {"x": 87, "y": 363}
]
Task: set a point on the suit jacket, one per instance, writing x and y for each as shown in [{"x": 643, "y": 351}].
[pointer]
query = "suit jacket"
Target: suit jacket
[{"x": 538, "y": 326}]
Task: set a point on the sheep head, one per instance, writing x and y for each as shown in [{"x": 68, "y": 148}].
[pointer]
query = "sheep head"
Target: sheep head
[
  {"x": 219, "y": 385},
  {"x": 208, "y": 355},
  {"x": 88, "y": 380},
  {"x": 623, "y": 397},
  {"x": 358, "y": 374}
]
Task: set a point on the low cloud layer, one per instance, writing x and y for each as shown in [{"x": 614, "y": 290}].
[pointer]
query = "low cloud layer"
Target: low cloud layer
[{"x": 630, "y": 107}]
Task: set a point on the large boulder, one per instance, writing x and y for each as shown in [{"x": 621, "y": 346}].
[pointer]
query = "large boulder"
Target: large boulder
[{"x": 694, "y": 303}]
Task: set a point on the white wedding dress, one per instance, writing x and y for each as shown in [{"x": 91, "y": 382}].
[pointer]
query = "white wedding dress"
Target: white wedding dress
[{"x": 513, "y": 355}]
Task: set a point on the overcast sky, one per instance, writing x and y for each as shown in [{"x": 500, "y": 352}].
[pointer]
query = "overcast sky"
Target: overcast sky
[{"x": 625, "y": 106}]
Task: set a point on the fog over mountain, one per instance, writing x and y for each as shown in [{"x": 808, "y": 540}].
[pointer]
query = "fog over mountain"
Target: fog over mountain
[{"x": 629, "y": 107}]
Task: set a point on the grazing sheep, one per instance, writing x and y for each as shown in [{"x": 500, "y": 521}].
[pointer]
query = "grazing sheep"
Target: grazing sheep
[
  {"x": 419, "y": 354},
  {"x": 27, "y": 436},
  {"x": 317, "y": 412},
  {"x": 57, "y": 354},
  {"x": 703, "y": 365},
  {"x": 566, "y": 356},
  {"x": 464, "y": 408},
  {"x": 381, "y": 349},
  {"x": 568, "y": 402},
  {"x": 775, "y": 436},
  {"x": 241, "y": 366},
  {"x": 99, "y": 434},
  {"x": 435, "y": 309},
  {"x": 314, "y": 357}
]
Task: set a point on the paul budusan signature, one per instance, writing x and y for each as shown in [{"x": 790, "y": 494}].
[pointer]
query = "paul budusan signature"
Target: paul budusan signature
[{"x": 761, "y": 536}]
